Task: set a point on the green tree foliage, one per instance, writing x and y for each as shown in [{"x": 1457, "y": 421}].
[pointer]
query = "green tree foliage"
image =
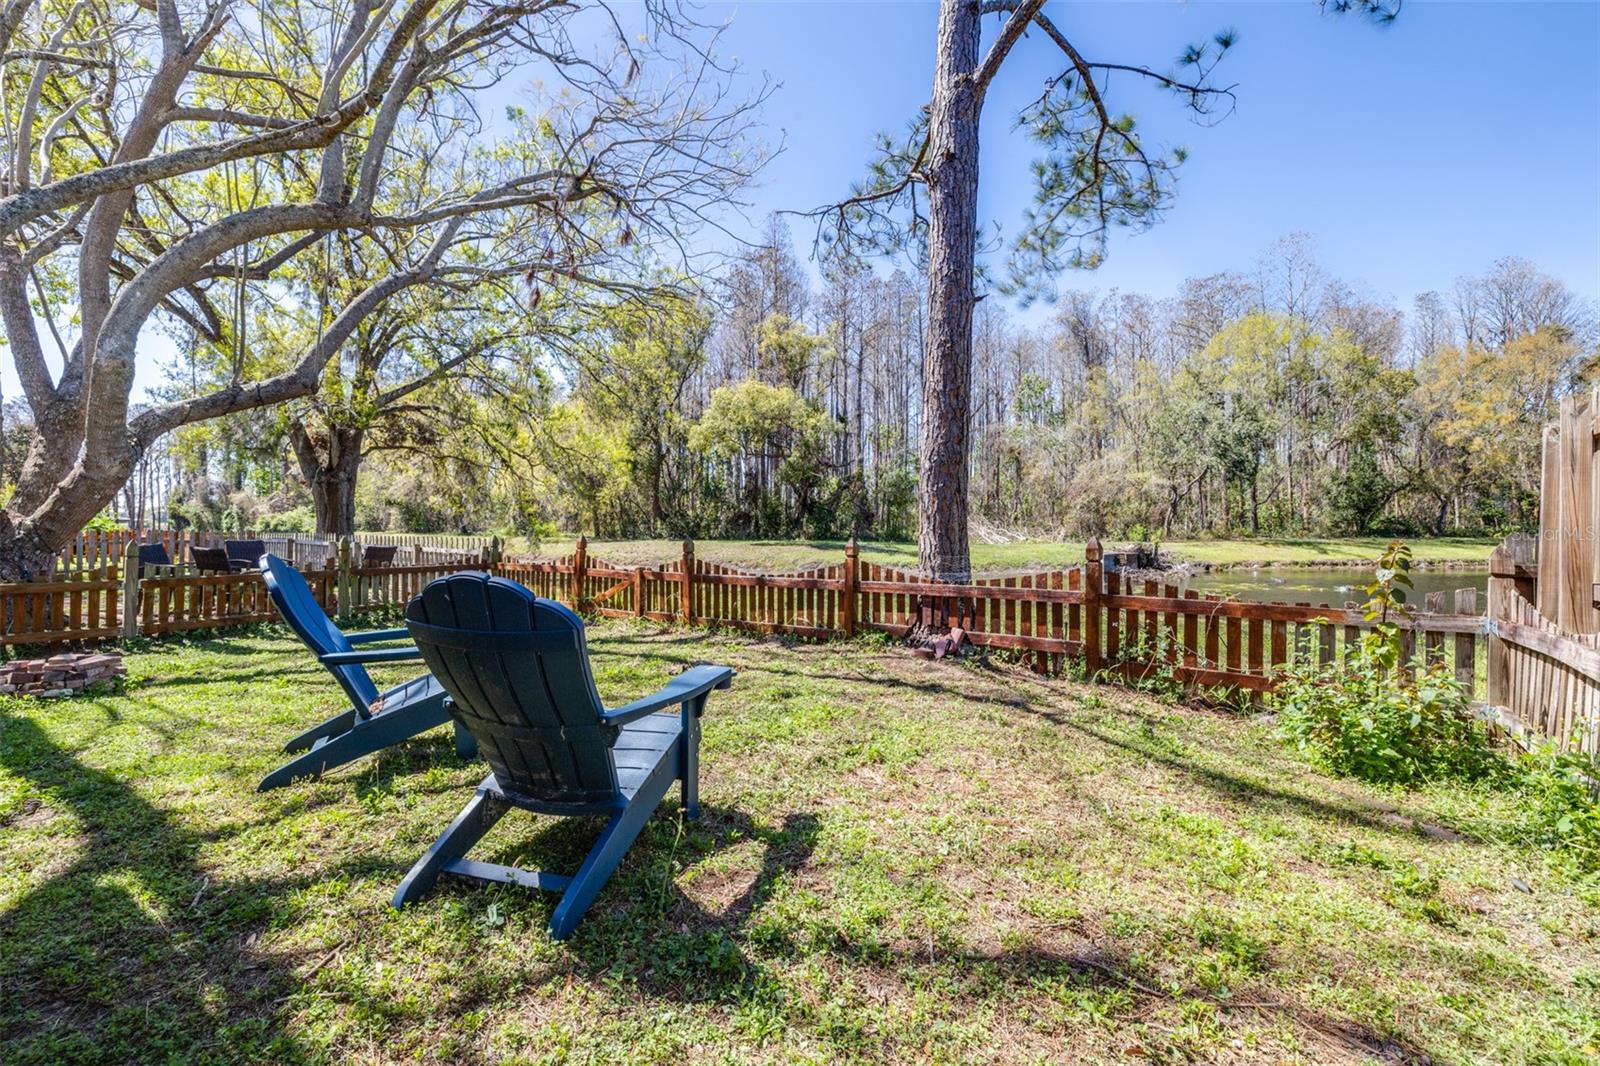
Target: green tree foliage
[
  {"x": 767, "y": 443},
  {"x": 757, "y": 405}
]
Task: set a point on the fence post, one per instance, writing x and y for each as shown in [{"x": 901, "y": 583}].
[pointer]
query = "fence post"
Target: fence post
[
  {"x": 1502, "y": 590},
  {"x": 130, "y": 588},
  {"x": 1466, "y": 656},
  {"x": 1093, "y": 583},
  {"x": 580, "y": 565},
  {"x": 687, "y": 607},
  {"x": 638, "y": 592},
  {"x": 494, "y": 552},
  {"x": 343, "y": 584},
  {"x": 847, "y": 601}
]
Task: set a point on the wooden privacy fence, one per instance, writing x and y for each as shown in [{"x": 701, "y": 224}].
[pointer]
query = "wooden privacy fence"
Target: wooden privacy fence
[
  {"x": 1569, "y": 518},
  {"x": 1544, "y": 680}
]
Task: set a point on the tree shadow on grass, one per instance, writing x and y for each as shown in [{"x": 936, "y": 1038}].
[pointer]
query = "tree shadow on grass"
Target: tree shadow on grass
[
  {"x": 1222, "y": 782},
  {"x": 1129, "y": 995},
  {"x": 644, "y": 928},
  {"x": 694, "y": 942},
  {"x": 126, "y": 952}
]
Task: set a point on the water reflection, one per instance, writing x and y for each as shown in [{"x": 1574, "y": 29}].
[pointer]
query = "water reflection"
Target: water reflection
[{"x": 1332, "y": 586}]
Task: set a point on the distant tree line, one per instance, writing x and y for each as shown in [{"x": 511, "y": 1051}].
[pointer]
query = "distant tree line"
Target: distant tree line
[{"x": 1275, "y": 400}]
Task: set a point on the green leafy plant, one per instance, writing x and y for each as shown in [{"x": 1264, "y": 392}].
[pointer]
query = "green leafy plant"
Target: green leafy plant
[
  {"x": 1155, "y": 675},
  {"x": 295, "y": 520},
  {"x": 1376, "y": 717},
  {"x": 1386, "y": 603},
  {"x": 1559, "y": 789}
]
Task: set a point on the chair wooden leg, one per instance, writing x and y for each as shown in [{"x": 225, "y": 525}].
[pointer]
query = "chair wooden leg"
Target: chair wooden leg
[
  {"x": 365, "y": 737},
  {"x": 615, "y": 840},
  {"x": 476, "y": 818},
  {"x": 689, "y": 772},
  {"x": 466, "y": 743},
  {"x": 339, "y": 723}
]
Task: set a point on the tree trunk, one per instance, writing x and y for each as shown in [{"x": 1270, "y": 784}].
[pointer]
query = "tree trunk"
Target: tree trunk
[
  {"x": 329, "y": 464},
  {"x": 952, "y": 181},
  {"x": 24, "y": 555}
]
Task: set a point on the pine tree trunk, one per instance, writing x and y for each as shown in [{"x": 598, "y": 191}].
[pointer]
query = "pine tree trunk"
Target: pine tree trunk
[{"x": 951, "y": 169}]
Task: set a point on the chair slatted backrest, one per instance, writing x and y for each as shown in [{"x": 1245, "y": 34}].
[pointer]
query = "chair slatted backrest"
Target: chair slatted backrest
[
  {"x": 378, "y": 555},
  {"x": 300, "y": 609},
  {"x": 153, "y": 555},
  {"x": 213, "y": 560},
  {"x": 517, "y": 670},
  {"x": 248, "y": 552}
]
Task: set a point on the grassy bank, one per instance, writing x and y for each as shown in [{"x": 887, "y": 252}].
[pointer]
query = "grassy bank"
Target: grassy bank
[
  {"x": 900, "y": 861},
  {"x": 792, "y": 555}
]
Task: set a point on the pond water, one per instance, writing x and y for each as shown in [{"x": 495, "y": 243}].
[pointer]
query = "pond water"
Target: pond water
[{"x": 1331, "y": 586}]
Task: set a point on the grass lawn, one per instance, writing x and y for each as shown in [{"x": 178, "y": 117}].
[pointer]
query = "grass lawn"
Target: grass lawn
[
  {"x": 899, "y": 861},
  {"x": 794, "y": 555}
]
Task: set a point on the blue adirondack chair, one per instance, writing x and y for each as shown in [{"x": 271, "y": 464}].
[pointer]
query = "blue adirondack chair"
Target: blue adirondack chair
[
  {"x": 517, "y": 671},
  {"x": 375, "y": 720}
]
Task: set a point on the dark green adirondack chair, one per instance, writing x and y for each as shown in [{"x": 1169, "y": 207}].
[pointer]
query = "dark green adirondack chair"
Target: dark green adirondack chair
[
  {"x": 517, "y": 671},
  {"x": 375, "y": 720}
]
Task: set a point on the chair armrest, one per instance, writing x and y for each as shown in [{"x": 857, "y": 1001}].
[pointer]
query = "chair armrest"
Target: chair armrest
[
  {"x": 372, "y": 655},
  {"x": 693, "y": 682},
  {"x": 379, "y": 634}
]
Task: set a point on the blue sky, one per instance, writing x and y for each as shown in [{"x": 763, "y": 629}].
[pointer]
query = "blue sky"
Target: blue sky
[{"x": 1412, "y": 154}]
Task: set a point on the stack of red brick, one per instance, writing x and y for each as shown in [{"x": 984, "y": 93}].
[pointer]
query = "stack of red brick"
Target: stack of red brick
[{"x": 59, "y": 675}]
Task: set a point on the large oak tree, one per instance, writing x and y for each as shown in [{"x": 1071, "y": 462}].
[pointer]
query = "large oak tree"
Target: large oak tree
[{"x": 161, "y": 158}]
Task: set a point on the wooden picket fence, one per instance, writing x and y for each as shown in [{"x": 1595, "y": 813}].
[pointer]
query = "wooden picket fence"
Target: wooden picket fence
[
  {"x": 67, "y": 611},
  {"x": 169, "y": 604},
  {"x": 97, "y": 551},
  {"x": 121, "y": 603},
  {"x": 1537, "y": 680},
  {"x": 1113, "y": 625},
  {"x": 94, "y": 551},
  {"x": 473, "y": 542}
]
